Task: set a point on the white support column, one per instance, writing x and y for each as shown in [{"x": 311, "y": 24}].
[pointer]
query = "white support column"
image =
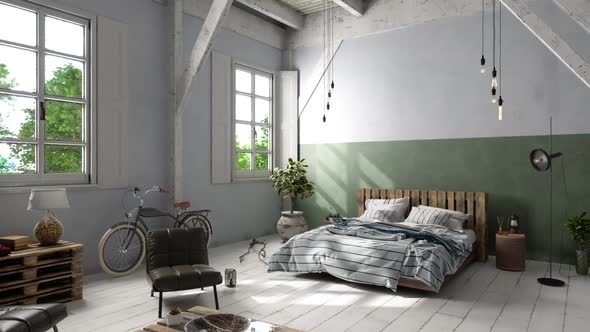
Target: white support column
[
  {"x": 175, "y": 166},
  {"x": 217, "y": 12},
  {"x": 277, "y": 11},
  {"x": 578, "y": 10},
  {"x": 354, "y": 7},
  {"x": 554, "y": 43}
]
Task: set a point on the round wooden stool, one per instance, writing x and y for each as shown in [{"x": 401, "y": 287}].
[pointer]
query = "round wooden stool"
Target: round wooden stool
[{"x": 511, "y": 251}]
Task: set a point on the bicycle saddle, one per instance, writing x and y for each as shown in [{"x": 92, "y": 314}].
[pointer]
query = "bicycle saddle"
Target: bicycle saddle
[{"x": 182, "y": 205}]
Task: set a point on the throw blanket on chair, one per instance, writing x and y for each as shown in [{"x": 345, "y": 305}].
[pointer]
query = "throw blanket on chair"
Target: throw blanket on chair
[{"x": 375, "y": 253}]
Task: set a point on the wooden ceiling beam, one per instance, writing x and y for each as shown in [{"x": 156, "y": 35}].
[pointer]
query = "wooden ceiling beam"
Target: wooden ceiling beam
[
  {"x": 277, "y": 11},
  {"x": 354, "y": 7}
]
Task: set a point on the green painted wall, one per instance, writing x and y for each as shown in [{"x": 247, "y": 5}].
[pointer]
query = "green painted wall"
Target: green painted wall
[{"x": 499, "y": 166}]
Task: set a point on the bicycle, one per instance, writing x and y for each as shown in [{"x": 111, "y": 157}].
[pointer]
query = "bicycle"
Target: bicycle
[{"x": 122, "y": 247}]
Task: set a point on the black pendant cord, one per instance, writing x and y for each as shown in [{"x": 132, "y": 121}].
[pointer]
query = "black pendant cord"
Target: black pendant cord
[
  {"x": 494, "y": 72},
  {"x": 500, "y": 100},
  {"x": 324, "y": 61},
  {"x": 332, "y": 44},
  {"x": 482, "y": 61}
]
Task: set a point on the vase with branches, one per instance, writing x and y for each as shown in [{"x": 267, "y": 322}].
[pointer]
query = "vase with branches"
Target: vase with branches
[{"x": 292, "y": 182}]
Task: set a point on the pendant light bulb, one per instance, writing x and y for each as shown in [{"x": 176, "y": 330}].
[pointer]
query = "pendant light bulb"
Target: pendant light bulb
[
  {"x": 332, "y": 85},
  {"x": 482, "y": 61},
  {"x": 482, "y": 70},
  {"x": 329, "y": 94},
  {"x": 324, "y": 118},
  {"x": 494, "y": 100},
  {"x": 328, "y": 106},
  {"x": 500, "y": 106}
]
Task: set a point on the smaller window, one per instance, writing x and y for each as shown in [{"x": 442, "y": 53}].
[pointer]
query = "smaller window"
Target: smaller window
[{"x": 252, "y": 116}]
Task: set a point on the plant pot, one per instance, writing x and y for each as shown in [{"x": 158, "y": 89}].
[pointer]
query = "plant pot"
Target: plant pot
[
  {"x": 582, "y": 262},
  {"x": 291, "y": 224},
  {"x": 174, "y": 319}
]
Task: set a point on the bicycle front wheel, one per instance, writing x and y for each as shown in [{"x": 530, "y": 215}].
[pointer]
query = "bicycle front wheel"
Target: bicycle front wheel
[
  {"x": 121, "y": 249},
  {"x": 200, "y": 221}
]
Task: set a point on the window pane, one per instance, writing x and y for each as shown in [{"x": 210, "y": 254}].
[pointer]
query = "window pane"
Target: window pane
[
  {"x": 17, "y": 158},
  {"x": 63, "y": 121},
  {"x": 18, "y": 69},
  {"x": 243, "y": 161},
  {"x": 262, "y": 85},
  {"x": 243, "y": 137},
  {"x": 262, "y": 136},
  {"x": 262, "y": 161},
  {"x": 17, "y": 116},
  {"x": 63, "y": 77},
  {"x": 18, "y": 25},
  {"x": 262, "y": 111},
  {"x": 63, "y": 159},
  {"x": 243, "y": 108},
  {"x": 243, "y": 81},
  {"x": 63, "y": 36}
]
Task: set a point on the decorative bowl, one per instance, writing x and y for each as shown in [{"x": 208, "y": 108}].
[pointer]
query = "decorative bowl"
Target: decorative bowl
[{"x": 218, "y": 323}]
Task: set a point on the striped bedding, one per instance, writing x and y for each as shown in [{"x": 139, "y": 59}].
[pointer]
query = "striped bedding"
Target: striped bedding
[{"x": 375, "y": 253}]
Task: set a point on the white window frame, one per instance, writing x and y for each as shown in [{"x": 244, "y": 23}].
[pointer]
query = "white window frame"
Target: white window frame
[
  {"x": 88, "y": 175},
  {"x": 252, "y": 174}
]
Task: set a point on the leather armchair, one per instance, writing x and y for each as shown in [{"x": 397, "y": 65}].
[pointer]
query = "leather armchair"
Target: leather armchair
[
  {"x": 177, "y": 260},
  {"x": 32, "y": 318}
]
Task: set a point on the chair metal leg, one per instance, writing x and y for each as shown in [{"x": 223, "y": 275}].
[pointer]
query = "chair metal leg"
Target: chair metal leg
[
  {"x": 216, "y": 300},
  {"x": 160, "y": 306},
  {"x": 55, "y": 328},
  {"x": 152, "y": 295}
]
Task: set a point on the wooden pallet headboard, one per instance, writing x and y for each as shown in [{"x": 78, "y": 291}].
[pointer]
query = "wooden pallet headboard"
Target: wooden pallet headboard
[{"x": 472, "y": 203}]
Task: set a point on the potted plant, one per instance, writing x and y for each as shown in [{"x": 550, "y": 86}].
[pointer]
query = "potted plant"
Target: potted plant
[
  {"x": 174, "y": 316},
  {"x": 579, "y": 229},
  {"x": 292, "y": 182}
]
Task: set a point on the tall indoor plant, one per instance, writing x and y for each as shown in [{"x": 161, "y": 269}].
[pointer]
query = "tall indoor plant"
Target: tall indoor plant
[
  {"x": 579, "y": 229},
  {"x": 292, "y": 182}
]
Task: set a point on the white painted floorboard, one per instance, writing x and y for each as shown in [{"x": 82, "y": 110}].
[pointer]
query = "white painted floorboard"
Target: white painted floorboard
[{"x": 481, "y": 298}]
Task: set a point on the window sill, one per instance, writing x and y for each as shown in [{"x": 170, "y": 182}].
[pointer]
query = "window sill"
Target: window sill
[
  {"x": 27, "y": 189},
  {"x": 246, "y": 180}
]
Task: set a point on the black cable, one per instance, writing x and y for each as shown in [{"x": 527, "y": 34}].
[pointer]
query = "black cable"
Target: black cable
[
  {"x": 482, "y": 26},
  {"x": 500, "y": 53},
  {"x": 494, "y": 33}
]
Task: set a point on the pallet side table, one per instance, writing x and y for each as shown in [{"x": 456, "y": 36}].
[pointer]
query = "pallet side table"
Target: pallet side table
[{"x": 42, "y": 274}]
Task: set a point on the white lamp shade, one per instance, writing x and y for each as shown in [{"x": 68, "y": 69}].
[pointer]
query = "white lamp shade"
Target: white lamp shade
[{"x": 50, "y": 198}]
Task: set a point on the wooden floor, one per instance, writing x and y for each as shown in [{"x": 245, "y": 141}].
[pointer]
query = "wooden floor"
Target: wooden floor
[{"x": 482, "y": 298}]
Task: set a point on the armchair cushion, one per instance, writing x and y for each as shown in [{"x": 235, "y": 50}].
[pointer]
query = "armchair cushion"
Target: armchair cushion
[
  {"x": 178, "y": 246},
  {"x": 181, "y": 277},
  {"x": 31, "y": 318}
]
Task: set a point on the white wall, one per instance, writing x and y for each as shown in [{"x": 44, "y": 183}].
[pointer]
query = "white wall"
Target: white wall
[
  {"x": 423, "y": 82},
  {"x": 93, "y": 210},
  {"x": 239, "y": 210}
]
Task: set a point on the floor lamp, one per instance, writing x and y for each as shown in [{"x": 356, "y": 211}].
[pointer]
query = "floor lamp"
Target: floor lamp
[{"x": 541, "y": 161}]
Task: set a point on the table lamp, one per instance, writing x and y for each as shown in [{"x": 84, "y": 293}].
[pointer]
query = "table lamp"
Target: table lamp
[{"x": 48, "y": 230}]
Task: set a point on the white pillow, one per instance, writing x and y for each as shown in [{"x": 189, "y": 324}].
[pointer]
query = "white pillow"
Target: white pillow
[
  {"x": 431, "y": 215},
  {"x": 386, "y": 213},
  {"x": 374, "y": 203}
]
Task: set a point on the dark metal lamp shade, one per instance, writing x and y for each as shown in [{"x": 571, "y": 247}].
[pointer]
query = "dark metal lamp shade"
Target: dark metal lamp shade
[{"x": 541, "y": 160}]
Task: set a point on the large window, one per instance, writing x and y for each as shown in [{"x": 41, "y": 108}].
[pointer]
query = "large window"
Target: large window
[
  {"x": 253, "y": 110},
  {"x": 44, "y": 96}
]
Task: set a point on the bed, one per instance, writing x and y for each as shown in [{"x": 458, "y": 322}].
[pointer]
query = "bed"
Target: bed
[{"x": 378, "y": 261}]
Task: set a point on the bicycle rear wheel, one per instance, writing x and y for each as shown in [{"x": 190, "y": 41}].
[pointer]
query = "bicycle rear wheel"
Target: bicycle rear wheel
[
  {"x": 121, "y": 249},
  {"x": 200, "y": 221}
]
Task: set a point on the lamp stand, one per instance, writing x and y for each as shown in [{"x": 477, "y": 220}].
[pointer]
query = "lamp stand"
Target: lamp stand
[
  {"x": 48, "y": 230},
  {"x": 552, "y": 282}
]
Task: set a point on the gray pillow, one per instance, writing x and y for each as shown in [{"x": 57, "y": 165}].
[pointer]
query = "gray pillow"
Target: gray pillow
[{"x": 386, "y": 210}]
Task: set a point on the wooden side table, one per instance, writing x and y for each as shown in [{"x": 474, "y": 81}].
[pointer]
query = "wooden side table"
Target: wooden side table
[
  {"x": 511, "y": 251},
  {"x": 42, "y": 274}
]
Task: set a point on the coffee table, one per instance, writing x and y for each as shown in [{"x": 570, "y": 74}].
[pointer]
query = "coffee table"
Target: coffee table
[{"x": 196, "y": 312}]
